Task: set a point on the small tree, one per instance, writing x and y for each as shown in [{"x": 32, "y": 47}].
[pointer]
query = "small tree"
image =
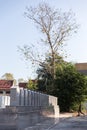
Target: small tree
[{"x": 32, "y": 84}]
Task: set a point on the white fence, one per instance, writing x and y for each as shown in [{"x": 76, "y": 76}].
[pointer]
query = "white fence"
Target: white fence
[
  {"x": 24, "y": 97},
  {"x": 4, "y": 101}
]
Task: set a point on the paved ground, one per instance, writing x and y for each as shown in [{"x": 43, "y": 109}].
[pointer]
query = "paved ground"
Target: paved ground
[
  {"x": 71, "y": 123},
  {"x": 65, "y": 122}
]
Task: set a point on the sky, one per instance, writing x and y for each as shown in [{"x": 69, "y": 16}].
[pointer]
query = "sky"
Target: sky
[{"x": 16, "y": 30}]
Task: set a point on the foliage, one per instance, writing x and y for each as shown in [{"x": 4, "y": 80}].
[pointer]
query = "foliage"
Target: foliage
[
  {"x": 45, "y": 78},
  {"x": 70, "y": 87},
  {"x": 32, "y": 85},
  {"x": 8, "y": 76}
]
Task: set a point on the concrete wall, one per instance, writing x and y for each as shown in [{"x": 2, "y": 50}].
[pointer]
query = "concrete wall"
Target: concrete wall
[
  {"x": 27, "y": 108},
  {"x": 19, "y": 118}
]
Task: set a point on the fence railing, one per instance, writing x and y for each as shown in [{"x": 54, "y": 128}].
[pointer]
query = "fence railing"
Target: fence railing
[{"x": 25, "y": 97}]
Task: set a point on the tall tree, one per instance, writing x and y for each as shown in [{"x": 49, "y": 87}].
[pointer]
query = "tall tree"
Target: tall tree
[{"x": 55, "y": 26}]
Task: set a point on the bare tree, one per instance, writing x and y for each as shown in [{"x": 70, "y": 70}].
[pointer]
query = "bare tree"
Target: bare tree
[{"x": 56, "y": 27}]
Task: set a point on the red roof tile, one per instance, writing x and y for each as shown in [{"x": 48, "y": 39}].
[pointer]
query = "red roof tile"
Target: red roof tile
[{"x": 5, "y": 84}]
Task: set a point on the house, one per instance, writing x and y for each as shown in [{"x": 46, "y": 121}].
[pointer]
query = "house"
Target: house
[{"x": 5, "y": 86}]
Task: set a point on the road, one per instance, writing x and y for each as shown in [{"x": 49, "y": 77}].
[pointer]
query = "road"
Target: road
[
  {"x": 64, "y": 123},
  {"x": 71, "y": 123}
]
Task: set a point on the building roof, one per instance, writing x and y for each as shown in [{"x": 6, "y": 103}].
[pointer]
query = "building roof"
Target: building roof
[
  {"x": 23, "y": 84},
  {"x": 5, "y": 84}
]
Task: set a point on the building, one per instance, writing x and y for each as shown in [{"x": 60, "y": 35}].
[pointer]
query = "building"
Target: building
[
  {"x": 5, "y": 86},
  {"x": 23, "y": 84},
  {"x": 81, "y": 67}
]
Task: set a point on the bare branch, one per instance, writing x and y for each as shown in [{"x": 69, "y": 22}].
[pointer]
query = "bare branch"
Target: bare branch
[{"x": 56, "y": 26}]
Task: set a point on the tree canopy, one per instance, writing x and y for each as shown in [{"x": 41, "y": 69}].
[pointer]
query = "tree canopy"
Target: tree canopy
[
  {"x": 70, "y": 87},
  {"x": 32, "y": 84},
  {"x": 45, "y": 79},
  {"x": 8, "y": 76}
]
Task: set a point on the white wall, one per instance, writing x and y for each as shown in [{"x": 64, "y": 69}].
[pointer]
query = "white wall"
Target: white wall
[{"x": 4, "y": 101}]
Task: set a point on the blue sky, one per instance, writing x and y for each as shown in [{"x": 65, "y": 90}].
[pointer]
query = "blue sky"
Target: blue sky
[{"x": 16, "y": 30}]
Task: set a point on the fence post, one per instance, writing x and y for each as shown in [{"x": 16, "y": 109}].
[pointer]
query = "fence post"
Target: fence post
[{"x": 14, "y": 95}]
